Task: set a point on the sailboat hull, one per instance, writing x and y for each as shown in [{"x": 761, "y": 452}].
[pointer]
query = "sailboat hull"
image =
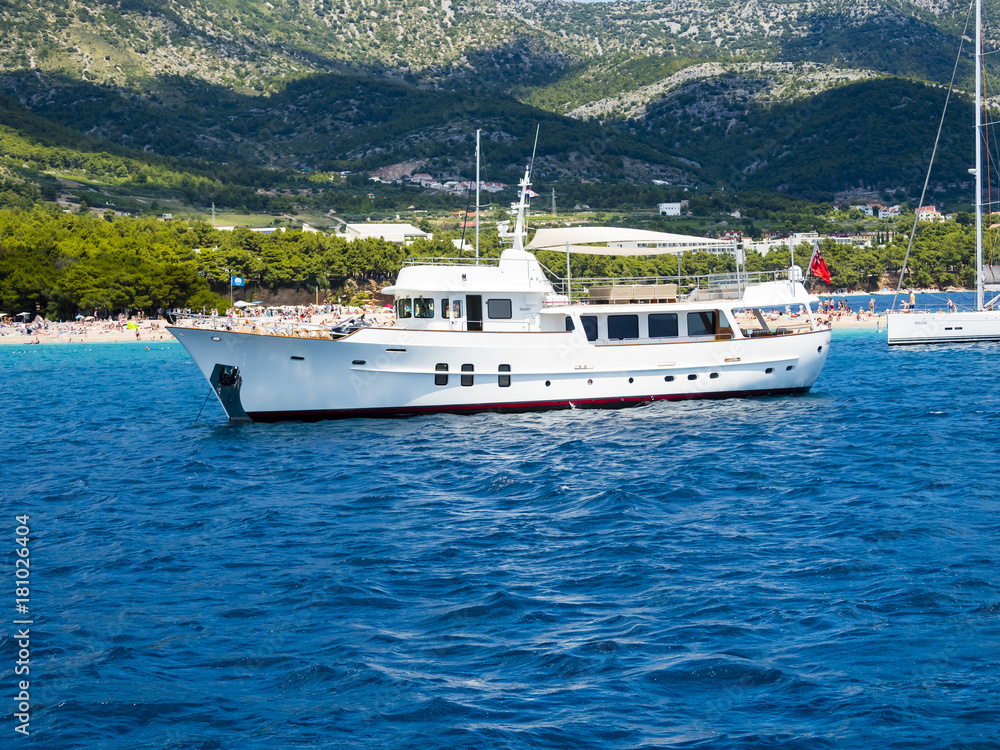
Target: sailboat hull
[{"x": 943, "y": 328}]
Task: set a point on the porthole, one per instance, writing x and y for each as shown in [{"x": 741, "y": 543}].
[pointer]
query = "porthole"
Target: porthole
[
  {"x": 790, "y": 367},
  {"x": 357, "y": 361},
  {"x": 298, "y": 358},
  {"x": 441, "y": 373},
  {"x": 590, "y": 382},
  {"x": 668, "y": 379},
  {"x": 714, "y": 375},
  {"x": 216, "y": 338},
  {"x": 692, "y": 376},
  {"x": 631, "y": 380},
  {"x": 548, "y": 383},
  {"x": 819, "y": 349},
  {"x": 769, "y": 370}
]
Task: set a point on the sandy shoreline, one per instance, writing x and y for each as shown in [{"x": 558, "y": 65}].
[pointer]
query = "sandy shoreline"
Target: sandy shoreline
[{"x": 155, "y": 331}]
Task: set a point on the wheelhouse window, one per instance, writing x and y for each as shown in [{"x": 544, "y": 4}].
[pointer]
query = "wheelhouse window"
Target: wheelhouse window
[
  {"x": 504, "y": 380},
  {"x": 444, "y": 308},
  {"x": 423, "y": 307},
  {"x": 701, "y": 323},
  {"x": 441, "y": 374},
  {"x": 404, "y": 307},
  {"x": 623, "y": 327},
  {"x": 498, "y": 309},
  {"x": 456, "y": 308},
  {"x": 662, "y": 325},
  {"x": 467, "y": 375},
  {"x": 589, "y": 323},
  {"x": 570, "y": 325}
]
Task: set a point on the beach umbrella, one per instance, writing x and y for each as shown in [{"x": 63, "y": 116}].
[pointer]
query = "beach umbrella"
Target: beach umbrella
[
  {"x": 79, "y": 317},
  {"x": 27, "y": 315}
]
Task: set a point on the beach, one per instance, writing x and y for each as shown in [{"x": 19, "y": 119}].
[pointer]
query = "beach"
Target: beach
[{"x": 115, "y": 332}]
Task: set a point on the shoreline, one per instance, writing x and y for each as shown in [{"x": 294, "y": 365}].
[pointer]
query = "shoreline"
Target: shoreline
[{"x": 148, "y": 334}]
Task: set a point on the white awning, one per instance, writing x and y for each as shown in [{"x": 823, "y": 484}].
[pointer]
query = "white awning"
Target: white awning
[{"x": 621, "y": 241}]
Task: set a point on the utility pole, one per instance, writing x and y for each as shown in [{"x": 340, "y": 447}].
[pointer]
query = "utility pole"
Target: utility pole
[{"x": 553, "y": 201}]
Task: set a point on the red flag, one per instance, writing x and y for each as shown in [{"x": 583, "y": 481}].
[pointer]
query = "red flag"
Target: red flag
[{"x": 818, "y": 267}]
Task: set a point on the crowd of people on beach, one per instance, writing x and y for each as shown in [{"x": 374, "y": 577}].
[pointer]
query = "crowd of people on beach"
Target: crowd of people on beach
[
  {"x": 37, "y": 330},
  {"x": 313, "y": 319}
]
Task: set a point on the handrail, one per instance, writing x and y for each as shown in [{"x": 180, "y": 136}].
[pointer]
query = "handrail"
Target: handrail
[
  {"x": 451, "y": 262},
  {"x": 715, "y": 286}
]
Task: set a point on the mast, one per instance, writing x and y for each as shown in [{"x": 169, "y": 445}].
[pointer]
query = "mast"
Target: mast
[
  {"x": 519, "y": 225},
  {"x": 477, "y": 196},
  {"x": 979, "y": 141}
]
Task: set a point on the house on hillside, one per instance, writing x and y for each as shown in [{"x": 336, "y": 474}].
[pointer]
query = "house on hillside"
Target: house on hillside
[
  {"x": 669, "y": 209},
  {"x": 929, "y": 213},
  {"x": 403, "y": 233},
  {"x": 889, "y": 212}
]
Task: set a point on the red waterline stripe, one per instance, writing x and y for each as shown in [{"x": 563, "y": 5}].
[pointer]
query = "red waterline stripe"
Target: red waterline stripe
[{"x": 512, "y": 408}]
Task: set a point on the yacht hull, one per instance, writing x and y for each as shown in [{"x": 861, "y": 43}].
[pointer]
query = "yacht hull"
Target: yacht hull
[
  {"x": 943, "y": 328},
  {"x": 392, "y": 372}
]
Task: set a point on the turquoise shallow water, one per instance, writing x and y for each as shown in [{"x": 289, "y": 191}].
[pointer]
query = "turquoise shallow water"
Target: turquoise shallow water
[{"x": 809, "y": 572}]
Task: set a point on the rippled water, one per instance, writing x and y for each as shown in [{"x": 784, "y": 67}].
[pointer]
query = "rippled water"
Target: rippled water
[{"x": 811, "y": 572}]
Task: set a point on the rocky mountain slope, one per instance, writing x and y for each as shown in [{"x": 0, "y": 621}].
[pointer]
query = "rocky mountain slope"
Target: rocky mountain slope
[{"x": 686, "y": 90}]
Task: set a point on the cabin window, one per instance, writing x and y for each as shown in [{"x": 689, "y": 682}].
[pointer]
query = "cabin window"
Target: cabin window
[
  {"x": 467, "y": 378},
  {"x": 701, "y": 323},
  {"x": 404, "y": 308},
  {"x": 570, "y": 325},
  {"x": 499, "y": 309},
  {"x": 444, "y": 308},
  {"x": 662, "y": 325},
  {"x": 623, "y": 327},
  {"x": 456, "y": 308},
  {"x": 589, "y": 323},
  {"x": 441, "y": 374},
  {"x": 423, "y": 307},
  {"x": 504, "y": 380}
]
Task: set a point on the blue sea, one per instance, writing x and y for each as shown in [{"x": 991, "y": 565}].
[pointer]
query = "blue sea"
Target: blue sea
[{"x": 819, "y": 571}]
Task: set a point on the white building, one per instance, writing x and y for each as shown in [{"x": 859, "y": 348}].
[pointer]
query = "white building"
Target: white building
[
  {"x": 404, "y": 233},
  {"x": 670, "y": 209},
  {"x": 891, "y": 212},
  {"x": 929, "y": 213}
]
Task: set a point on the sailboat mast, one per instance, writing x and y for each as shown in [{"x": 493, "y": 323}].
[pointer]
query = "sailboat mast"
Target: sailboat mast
[
  {"x": 979, "y": 161},
  {"x": 477, "y": 196}
]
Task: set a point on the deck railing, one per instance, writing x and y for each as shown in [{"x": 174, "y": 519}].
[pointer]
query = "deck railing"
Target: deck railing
[
  {"x": 662, "y": 288},
  {"x": 466, "y": 261}
]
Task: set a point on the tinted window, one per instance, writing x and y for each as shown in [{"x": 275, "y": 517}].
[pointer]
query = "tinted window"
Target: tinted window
[
  {"x": 404, "y": 308},
  {"x": 444, "y": 308},
  {"x": 423, "y": 308},
  {"x": 456, "y": 308},
  {"x": 589, "y": 323},
  {"x": 504, "y": 380},
  {"x": 662, "y": 325},
  {"x": 467, "y": 374},
  {"x": 701, "y": 323},
  {"x": 441, "y": 374},
  {"x": 623, "y": 326},
  {"x": 498, "y": 308},
  {"x": 570, "y": 326}
]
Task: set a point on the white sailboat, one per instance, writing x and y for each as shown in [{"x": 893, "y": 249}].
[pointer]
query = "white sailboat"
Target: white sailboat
[
  {"x": 983, "y": 323},
  {"x": 491, "y": 335}
]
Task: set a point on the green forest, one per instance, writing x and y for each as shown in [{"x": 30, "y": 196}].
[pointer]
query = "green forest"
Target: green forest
[{"x": 60, "y": 264}]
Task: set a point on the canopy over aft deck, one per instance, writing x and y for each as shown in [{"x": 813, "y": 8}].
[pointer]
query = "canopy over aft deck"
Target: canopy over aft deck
[{"x": 623, "y": 241}]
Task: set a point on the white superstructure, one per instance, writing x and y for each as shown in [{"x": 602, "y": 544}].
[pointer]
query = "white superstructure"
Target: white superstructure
[{"x": 499, "y": 336}]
